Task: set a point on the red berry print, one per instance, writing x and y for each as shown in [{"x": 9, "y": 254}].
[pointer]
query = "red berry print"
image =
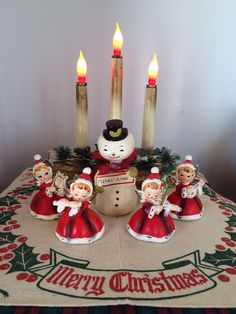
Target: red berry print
[
  {"x": 12, "y": 246},
  {"x": 224, "y": 239},
  {"x": 222, "y": 207},
  {"x": 22, "y": 276},
  {"x": 7, "y": 228},
  {"x": 3, "y": 250},
  {"x": 231, "y": 244},
  {"x": 32, "y": 278},
  {"x": 4, "y": 266},
  {"x": 22, "y": 239},
  {"x": 10, "y": 208},
  {"x": 17, "y": 206},
  {"x": 227, "y": 214},
  {"x": 16, "y": 226},
  {"x": 231, "y": 271},
  {"x": 214, "y": 199},
  {"x": 220, "y": 247},
  {"x": 12, "y": 222},
  {"x": 1, "y": 258},
  {"x": 44, "y": 257},
  {"x": 2, "y": 208},
  {"x": 8, "y": 256},
  {"x": 223, "y": 278},
  {"x": 229, "y": 229}
]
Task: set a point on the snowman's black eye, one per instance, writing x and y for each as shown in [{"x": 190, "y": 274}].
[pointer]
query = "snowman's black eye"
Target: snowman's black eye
[
  {"x": 121, "y": 150},
  {"x": 105, "y": 150}
]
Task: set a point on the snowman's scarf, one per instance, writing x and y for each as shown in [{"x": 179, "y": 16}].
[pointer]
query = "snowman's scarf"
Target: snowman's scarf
[{"x": 110, "y": 167}]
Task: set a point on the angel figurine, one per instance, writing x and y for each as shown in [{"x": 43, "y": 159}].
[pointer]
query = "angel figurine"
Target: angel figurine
[
  {"x": 186, "y": 193},
  {"x": 78, "y": 223},
  {"x": 152, "y": 221},
  {"x": 41, "y": 206}
]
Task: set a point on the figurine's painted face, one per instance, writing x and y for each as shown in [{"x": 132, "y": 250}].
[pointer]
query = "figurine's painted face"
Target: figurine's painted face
[
  {"x": 116, "y": 151},
  {"x": 80, "y": 192},
  {"x": 43, "y": 174},
  {"x": 186, "y": 175},
  {"x": 152, "y": 192}
]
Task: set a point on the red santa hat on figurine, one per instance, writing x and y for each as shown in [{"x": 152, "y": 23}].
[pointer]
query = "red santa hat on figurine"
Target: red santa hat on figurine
[
  {"x": 84, "y": 178},
  {"x": 154, "y": 176},
  {"x": 188, "y": 162},
  {"x": 38, "y": 163}
]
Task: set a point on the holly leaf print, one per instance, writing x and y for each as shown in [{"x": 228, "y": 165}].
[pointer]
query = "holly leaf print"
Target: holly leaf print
[
  {"x": 5, "y": 216},
  {"x": 231, "y": 206},
  {"x": 218, "y": 258},
  {"x": 8, "y": 201},
  {"x": 232, "y": 235},
  {"x": 7, "y": 237},
  {"x": 232, "y": 221},
  {"x": 24, "y": 258},
  {"x": 25, "y": 190},
  {"x": 209, "y": 192}
]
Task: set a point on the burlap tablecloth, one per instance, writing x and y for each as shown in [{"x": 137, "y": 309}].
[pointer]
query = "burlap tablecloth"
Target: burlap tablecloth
[{"x": 196, "y": 268}]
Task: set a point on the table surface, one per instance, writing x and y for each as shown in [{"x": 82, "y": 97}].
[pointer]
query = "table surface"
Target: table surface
[{"x": 195, "y": 269}]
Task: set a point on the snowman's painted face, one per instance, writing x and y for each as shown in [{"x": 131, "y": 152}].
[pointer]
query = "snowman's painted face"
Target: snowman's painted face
[{"x": 116, "y": 151}]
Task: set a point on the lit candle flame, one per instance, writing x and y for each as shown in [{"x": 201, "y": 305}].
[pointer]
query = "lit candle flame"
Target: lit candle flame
[
  {"x": 81, "y": 68},
  {"x": 117, "y": 41},
  {"x": 153, "y": 71}
]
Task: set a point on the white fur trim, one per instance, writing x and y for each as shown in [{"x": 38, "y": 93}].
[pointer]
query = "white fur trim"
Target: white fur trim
[
  {"x": 44, "y": 217},
  {"x": 187, "y": 218},
  {"x": 82, "y": 240},
  {"x": 148, "y": 238},
  {"x": 37, "y": 157},
  {"x": 188, "y": 157},
  {"x": 155, "y": 170},
  {"x": 87, "y": 170}
]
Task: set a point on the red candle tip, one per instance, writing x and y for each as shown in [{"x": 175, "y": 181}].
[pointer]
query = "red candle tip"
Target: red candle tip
[
  {"x": 116, "y": 52},
  {"x": 152, "y": 81},
  {"x": 82, "y": 79}
]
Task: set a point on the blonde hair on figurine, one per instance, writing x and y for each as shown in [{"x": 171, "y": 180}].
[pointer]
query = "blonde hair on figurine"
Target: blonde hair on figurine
[
  {"x": 186, "y": 169},
  {"x": 40, "y": 167},
  {"x": 152, "y": 185},
  {"x": 82, "y": 186}
]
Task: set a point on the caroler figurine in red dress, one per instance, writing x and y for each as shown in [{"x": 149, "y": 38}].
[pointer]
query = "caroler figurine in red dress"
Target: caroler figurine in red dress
[
  {"x": 79, "y": 224},
  {"x": 152, "y": 221},
  {"x": 186, "y": 193},
  {"x": 41, "y": 206}
]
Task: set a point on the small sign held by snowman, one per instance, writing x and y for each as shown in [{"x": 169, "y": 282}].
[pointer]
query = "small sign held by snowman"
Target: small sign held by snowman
[{"x": 116, "y": 146}]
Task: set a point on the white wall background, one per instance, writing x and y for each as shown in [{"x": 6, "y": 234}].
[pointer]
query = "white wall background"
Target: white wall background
[{"x": 196, "y": 49}]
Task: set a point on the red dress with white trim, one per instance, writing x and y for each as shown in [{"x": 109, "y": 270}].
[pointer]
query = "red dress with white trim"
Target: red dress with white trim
[
  {"x": 42, "y": 205},
  {"x": 85, "y": 226},
  {"x": 191, "y": 207},
  {"x": 159, "y": 228}
]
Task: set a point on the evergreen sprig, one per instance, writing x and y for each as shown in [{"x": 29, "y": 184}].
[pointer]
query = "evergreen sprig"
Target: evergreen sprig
[{"x": 63, "y": 152}]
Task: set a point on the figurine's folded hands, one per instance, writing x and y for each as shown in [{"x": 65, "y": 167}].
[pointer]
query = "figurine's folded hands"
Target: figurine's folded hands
[
  {"x": 61, "y": 204},
  {"x": 73, "y": 211},
  {"x": 50, "y": 190}
]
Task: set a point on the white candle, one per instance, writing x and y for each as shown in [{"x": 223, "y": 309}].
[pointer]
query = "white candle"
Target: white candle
[
  {"x": 150, "y": 107},
  {"x": 81, "y": 104},
  {"x": 116, "y": 76}
]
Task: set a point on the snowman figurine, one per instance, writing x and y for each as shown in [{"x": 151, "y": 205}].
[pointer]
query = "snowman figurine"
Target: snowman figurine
[{"x": 115, "y": 180}]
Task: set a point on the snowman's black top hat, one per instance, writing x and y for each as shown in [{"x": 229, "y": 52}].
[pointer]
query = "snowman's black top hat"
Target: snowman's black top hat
[{"x": 115, "y": 130}]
